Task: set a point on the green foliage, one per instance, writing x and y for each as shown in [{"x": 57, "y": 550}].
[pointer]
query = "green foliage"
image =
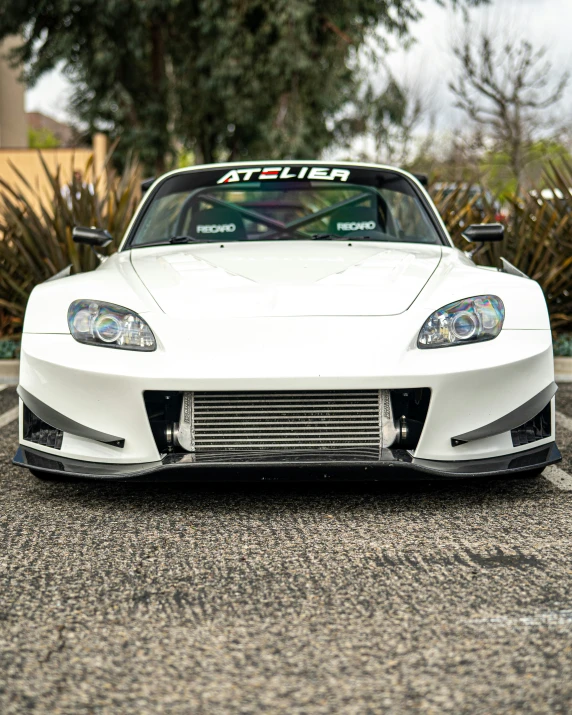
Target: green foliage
[
  {"x": 184, "y": 159},
  {"x": 226, "y": 78},
  {"x": 9, "y": 350},
  {"x": 42, "y": 139},
  {"x": 36, "y": 231},
  {"x": 388, "y": 117},
  {"x": 538, "y": 238},
  {"x": 563, "y": 345},
  {"x": 495, "y": 167}
]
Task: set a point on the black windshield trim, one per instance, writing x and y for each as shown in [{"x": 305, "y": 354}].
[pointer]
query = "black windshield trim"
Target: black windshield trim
[{"x": 341, "y": 239}]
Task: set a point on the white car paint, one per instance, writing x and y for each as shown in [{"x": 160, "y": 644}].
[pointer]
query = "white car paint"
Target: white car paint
[
  {"x": 261, "y": 279},
  {"x": 471, "y": 385},
  {"x": 286, "y": 315},
  {"x": 188, "y": 282}
]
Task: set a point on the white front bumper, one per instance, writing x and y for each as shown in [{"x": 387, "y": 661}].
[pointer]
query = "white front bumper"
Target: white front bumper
[{"x": 471, "y": 385}]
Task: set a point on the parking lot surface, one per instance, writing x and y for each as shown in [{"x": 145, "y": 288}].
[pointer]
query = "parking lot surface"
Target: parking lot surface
[{"x": 420, "y": 597}]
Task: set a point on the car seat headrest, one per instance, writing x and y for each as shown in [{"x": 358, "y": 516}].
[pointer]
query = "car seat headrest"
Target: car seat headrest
[
  {"x": 218, "y": 222},
  {"x": 355, "y": 220}
]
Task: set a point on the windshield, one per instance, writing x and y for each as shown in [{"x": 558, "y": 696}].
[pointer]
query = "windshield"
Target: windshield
[{"x": 285, "y": 203}]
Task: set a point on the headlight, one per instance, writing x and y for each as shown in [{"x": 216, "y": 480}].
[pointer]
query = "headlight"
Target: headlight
[
  {"x": 472, "y": 320},
  {"x": 97, "y": 323}
]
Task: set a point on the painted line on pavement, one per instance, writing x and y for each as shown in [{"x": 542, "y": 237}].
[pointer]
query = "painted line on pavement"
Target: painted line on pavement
[
  {"x": 9, "y": 416},
  {"x": 547, "y": 618},
  {"x": 564, "y": 421},
  {"x": 561, "y": 479}
]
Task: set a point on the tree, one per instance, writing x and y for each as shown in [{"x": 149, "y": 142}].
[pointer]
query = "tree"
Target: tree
[
  {"x": 385, "y": 123},
  {"x": 506, "y": 89},
  {"x": 226, "y": 78},
  {"x": 42, "y": 139}
]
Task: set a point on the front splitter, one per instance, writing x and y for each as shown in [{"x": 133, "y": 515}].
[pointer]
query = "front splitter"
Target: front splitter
[{"x": 301, "y": 466}]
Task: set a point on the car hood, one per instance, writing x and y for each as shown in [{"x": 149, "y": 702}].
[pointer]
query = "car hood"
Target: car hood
[{"x": 292, "y": 278}]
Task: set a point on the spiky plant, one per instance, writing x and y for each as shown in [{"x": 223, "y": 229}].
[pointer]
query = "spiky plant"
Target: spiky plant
[
  {"x": 538, "y": 237},
  {"x": 36, "y": 230}
]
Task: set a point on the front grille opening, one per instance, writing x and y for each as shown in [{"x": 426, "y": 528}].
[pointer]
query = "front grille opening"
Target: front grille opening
[
  {"x": 40, "y": 432},
  {"x": 413, "y": 405},
  {"x": 537, "y": 428},
  {"x": 292, "y": 421}
]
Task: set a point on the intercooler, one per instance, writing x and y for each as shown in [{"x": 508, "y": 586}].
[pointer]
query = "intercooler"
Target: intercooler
[
  {"x": 285, "y": 420},
  {"x": 357, "y": 423}
]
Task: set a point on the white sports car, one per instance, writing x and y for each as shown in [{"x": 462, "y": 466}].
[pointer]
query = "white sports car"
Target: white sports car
[{"x": 287, "y": 314}]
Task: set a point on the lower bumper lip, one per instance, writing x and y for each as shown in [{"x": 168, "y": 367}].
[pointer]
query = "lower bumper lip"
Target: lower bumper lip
[{"x": 397, "y": 464}]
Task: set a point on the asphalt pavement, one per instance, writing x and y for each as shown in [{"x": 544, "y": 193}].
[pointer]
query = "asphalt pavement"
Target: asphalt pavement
[{"x": 385, "y": 598}]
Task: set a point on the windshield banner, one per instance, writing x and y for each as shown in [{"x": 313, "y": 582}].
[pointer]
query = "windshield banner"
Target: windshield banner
[{"x": 309, "y": 173}]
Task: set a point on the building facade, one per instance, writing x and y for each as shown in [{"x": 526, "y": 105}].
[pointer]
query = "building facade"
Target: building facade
[{"x": 13, "y": 124}]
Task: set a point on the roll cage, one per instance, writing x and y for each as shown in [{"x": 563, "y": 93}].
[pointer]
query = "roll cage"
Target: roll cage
[{"x": 279, "y": 227}]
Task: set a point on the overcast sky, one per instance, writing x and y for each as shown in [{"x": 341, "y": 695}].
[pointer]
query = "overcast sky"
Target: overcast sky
[{"x": 428, "y": 63}]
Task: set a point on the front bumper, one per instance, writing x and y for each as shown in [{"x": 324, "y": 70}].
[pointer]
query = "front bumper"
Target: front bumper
[
  {"x": 397, "y": 464},
  {"x": 103, "y": 389}
]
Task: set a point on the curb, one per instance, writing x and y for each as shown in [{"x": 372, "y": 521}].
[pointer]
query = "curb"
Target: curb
[
  {"x": 9, "y": 372},
  {"x": 563, "y": 369}
]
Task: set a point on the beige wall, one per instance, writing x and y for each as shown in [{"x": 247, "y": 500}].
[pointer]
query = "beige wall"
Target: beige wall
[
  {"x": 29, "y": 164},
  {"x": 13, "y": 128}
]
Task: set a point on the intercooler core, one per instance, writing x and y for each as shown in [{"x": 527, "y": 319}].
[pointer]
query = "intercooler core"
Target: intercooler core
[{"x": 356, "y": 421}]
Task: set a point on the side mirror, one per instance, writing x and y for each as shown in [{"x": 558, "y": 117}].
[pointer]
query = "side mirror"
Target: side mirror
[
  {"x": 91, "y": 236},
  {"x": 484, "y": 232}
]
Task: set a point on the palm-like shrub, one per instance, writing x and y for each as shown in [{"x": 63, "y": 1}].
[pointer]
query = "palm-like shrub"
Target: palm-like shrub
[
  {"x": 36, "y": 230},
  {"x": 36, "y": 233},
  {"x": 538, "y": 238}
]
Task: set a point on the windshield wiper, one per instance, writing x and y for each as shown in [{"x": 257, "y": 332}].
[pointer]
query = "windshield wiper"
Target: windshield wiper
[
  {"x": 190, "y": 239},
  {"x": 336, "y": 237},
  {"x": 175, "y": 240}
]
